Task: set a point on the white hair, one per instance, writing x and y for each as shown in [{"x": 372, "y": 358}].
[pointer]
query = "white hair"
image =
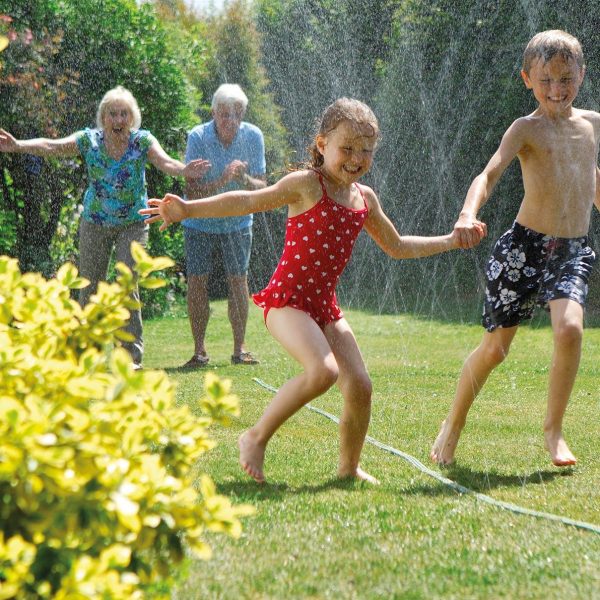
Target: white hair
[
  {"x": 228, "y": 94},
  {"x": 122, "y": 94}
]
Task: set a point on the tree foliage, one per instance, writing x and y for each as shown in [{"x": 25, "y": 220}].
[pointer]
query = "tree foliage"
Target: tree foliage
[{"x": 56, "y": 68}]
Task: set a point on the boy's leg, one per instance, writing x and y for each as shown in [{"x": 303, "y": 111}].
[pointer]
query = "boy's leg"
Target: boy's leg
[
  {"x": 355, "y": 384},
  {"x": 476, "y": 369},
  {"x": 567, "y": 327},
  {"x": 302, "y": 338}
]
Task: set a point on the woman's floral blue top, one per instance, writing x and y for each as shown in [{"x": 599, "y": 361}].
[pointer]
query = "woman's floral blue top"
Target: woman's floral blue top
[{"x": 117, "y": 188}]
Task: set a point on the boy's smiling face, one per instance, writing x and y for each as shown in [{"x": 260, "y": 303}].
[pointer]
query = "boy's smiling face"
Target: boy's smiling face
[{"x": 554, "y": 83}]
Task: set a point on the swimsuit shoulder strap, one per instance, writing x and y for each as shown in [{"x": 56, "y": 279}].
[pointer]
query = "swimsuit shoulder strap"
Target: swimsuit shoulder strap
[
  {"x": 320, "y": 175},
  {"x": 362, "y": 195}
]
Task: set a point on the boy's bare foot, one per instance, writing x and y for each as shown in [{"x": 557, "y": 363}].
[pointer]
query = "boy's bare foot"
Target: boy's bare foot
[
  {"x": 559, "y": 451},
  {"x": 360, "y": 475},
  {"x": 252, "y": 457},
  {"x": 442, "y": 451}
]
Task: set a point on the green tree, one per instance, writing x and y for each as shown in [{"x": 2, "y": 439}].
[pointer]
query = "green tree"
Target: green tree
[{"x": 55, "y": 70}]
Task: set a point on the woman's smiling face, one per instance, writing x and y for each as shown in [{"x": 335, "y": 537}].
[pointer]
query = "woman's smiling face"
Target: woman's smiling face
[{"x": 117, "y": 119}]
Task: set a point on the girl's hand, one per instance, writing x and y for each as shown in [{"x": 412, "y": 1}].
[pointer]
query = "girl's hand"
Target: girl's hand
[
  {"x": 171, "y": 209},
  {"x": 196, "y": 169},
  {"x": 7, "y": 142}
]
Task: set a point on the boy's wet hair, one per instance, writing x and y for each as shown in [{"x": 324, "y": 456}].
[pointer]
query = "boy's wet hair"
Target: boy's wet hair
[
  {"x": 119, "y": 94},
  {"x": 548, "y": 44},
  {"x": 343, "y": 109}
]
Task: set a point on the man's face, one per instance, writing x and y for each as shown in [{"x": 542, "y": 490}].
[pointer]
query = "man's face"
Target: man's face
[{"x": 227, "y": 119}]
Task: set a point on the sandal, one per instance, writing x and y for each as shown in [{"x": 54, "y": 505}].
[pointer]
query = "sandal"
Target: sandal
[
  {"x": 196, "y": 362},
  {"x": 244, "y": 358}
]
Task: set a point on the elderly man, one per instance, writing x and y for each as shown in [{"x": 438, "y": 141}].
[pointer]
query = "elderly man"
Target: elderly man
[{"x": 235, "y": 151}]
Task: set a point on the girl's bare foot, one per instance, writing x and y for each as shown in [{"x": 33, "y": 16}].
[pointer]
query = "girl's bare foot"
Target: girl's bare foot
[
  {"x": 445, "y": 444},
  {"x": 559, "y": 451},
  {"x": 252, "y": 457},
  {"x": 359, "y": 474}
]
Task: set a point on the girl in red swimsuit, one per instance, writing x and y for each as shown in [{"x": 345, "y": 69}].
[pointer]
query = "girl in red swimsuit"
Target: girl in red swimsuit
[{"x": 326, "y": 211}]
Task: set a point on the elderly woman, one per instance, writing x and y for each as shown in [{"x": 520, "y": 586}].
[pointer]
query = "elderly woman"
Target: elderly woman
[{"x": 115, "y": 153}]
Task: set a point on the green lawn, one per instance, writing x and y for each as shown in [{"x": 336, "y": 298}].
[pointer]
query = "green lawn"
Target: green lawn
[{"x": 410, "y": 537}]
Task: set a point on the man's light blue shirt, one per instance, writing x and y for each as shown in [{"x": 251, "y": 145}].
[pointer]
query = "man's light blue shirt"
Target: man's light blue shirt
[{"x": 248, "y": 146}]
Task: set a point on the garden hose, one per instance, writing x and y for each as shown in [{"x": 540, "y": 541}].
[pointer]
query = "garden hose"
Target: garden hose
[{"x": 461, "y": 489}]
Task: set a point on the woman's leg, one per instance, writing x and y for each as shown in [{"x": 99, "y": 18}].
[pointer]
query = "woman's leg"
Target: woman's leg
[
  {"x": 95, "y": 247},
  {"x": 138, "y": 232},
  {"x": 302, "y": 338}
]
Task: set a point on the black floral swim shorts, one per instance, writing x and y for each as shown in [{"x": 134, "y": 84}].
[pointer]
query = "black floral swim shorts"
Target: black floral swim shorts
[{"x": 528, "y": 268}]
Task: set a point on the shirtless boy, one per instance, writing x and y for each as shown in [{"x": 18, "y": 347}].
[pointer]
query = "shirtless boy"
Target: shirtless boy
[{"x": 545, "y": 258}]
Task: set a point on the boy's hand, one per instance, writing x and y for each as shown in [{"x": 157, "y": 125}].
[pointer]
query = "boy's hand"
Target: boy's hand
[
  {"x": 171, "y": 209},
  {"x": 469, "y": 231}
]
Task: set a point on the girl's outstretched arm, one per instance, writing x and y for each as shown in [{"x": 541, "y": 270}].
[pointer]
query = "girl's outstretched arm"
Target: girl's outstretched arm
[
  {"x": 386, "y": 236},
  {"x": 39, "y": 146},
  {"x": 172, "y": 208}
]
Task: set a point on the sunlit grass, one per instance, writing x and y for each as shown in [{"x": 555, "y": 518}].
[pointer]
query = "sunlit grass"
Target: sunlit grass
[{"x": 410, "y": 537}]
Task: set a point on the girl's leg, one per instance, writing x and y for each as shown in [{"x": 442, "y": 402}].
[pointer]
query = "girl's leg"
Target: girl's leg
[
  {"x": 567, "y": 327},
  {"x": 476, "y": 369},
  {"x": 355, "y": 384},
  {"x": 302, "y": 338}
]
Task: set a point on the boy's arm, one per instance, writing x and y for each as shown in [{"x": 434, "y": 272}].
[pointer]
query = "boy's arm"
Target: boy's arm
[
  {"x": 386, "y": 236},
  {"x": 467, "y": 225},
  {"x": 39, "y": 146}
]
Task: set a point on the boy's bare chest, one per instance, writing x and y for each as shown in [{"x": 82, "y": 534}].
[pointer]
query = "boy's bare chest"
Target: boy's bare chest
[{"x": 572, "y": 147}]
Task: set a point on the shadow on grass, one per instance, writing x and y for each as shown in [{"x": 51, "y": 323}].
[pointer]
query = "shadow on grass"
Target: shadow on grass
[
  {"x": 484, "y": 481},
  {"x": 250, "y": 490}
]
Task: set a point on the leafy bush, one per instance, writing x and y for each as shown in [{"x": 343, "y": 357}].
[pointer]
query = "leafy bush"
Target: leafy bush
[{"x": 97, "y": 496}]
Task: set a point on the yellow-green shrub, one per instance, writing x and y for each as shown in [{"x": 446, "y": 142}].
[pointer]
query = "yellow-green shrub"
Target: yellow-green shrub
[{"x": 97, "y": 493}]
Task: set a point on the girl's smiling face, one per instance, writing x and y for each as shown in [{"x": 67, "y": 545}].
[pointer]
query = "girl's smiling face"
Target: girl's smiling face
[
  {"x": 555, "y": 83},
  {"x": 347, "y": 152}
]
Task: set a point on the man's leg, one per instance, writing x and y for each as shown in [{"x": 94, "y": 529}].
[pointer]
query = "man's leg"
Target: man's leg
[
  {"x": 237, "y": 310},
  {"x": 476, "y": 369},
  {"x": 198, "y": 256},
  {"x": 567, "y": 327},
  {"x": 198, "y": 310},
  {"x": 236, "y": 247}
]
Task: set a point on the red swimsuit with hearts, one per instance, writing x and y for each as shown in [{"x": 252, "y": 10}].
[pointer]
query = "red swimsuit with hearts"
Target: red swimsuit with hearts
[{"x": 318, "y": 244}]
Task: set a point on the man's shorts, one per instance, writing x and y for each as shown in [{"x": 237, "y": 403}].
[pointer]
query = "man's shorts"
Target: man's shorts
[
  {"x": 200, "y": 247},
  {"x": 528, "y": 268}
]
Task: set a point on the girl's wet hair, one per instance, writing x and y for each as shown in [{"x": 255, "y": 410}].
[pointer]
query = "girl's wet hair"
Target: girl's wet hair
[
  {"x": 343, "y": 109},
  {"x": 121, "y": 94},
  {"x": 548, "y": 44}
]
